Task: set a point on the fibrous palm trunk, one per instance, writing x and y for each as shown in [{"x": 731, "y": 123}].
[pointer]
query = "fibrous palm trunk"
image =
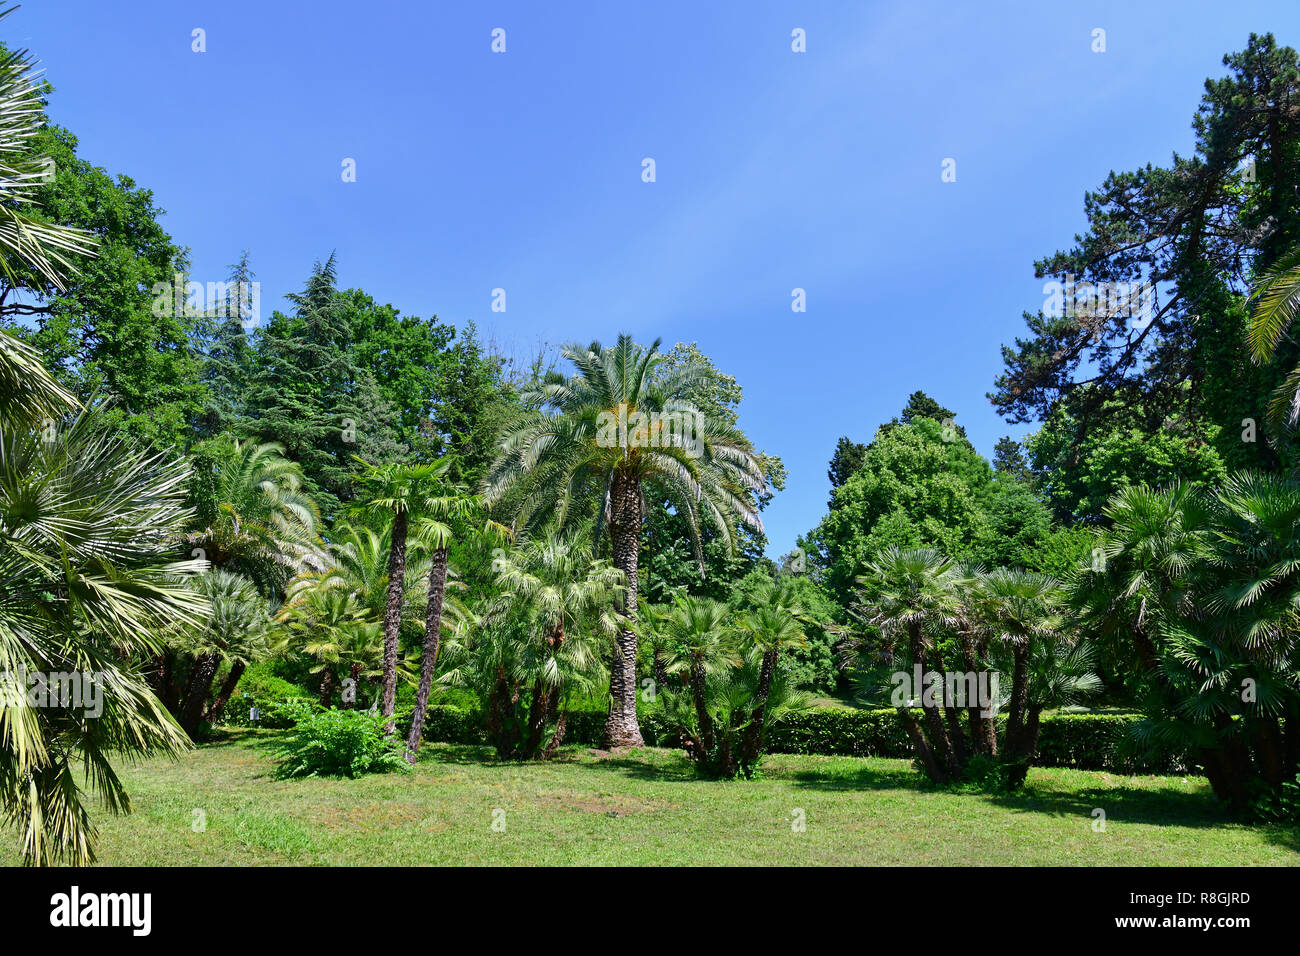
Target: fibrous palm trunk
[
  {"x": 393, "y": 615},
  {"x": 621, "y": 727},
  {"x": 196, "y": 691},
  {"x": 752, "y": 743},
  {"x": 429, "y": 656},
  {"x": 934, "y": 725},
  {"x": 218, "y": 709}
]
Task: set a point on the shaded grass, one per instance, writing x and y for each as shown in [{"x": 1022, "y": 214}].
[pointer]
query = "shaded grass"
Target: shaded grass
[{"x": 648, "y": 808}]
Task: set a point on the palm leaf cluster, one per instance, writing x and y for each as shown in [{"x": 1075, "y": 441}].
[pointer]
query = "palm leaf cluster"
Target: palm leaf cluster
[
  {"x": 1206, "y": 586},
  {"x": 963, "y": 627},
  {"x": 552, "y": 466},
  {"x": 732, "y": 683},
  {"x": 90, "y": 583},
  {"x": 537, "y": 643}
]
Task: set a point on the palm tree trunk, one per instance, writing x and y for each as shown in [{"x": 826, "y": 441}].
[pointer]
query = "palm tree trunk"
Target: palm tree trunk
[
  {"x": 702, "y": 717},
  {"x": 753, "y": 742},
  {"x": 621, "y": 727},
  {"x": 933, "y": 720},
  {"x": 429, "y": 656},
  {"x": 1019, "y": 702},
  {"x": 537, "y": 714},
  {"x": 393, "y": 615},
  {"x": 983, "y": 735},
  {"x": 1028, "y": 747},
  {"x": 227, "y": 690},
  {"x": 549, "y": 751},
  {"x": 924, "y": 752},
  {"x": 197, "y": 689}
]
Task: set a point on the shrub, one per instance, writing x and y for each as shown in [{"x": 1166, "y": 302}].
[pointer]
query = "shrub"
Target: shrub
[
  {"x": 278, "y": 701},
  {"x": 340, "y": 743}
]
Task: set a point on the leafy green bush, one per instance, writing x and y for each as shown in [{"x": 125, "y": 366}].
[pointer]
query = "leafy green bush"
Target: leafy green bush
[
  {"x": 279, "y": 702},
  {"x": 340, "y": 743}
]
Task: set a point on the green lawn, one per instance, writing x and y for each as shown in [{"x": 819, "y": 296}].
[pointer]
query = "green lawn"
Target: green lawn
[{"x": 647, "y": 808}]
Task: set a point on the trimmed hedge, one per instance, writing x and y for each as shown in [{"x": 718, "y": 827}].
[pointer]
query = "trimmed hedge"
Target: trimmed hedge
[{"x": 1081, "y": 741}]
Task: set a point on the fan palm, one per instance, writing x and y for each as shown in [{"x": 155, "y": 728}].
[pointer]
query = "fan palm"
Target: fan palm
[
  {"x": 33, "y": 253},
  {"x": 698, "y": 639},
  {"x": 536, "y": 643},
  {"x": 87, "y": 586},
  {"x": 564, "y": 456},
  {"x": 255, "y": 518},
  {"x": 1276, "y": 295},
  {"x": 1019, "y": 609},
  {"x": 775, "y": 625},
  {"x": 396, "y": 493},
  {"x": 236, "y": 631},
  {"x": 329, "y": 625},
  {"x": 912, "y": 595}
]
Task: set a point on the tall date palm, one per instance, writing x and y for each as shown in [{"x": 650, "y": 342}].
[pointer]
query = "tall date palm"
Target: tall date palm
[{"x": 560, "y": 459}]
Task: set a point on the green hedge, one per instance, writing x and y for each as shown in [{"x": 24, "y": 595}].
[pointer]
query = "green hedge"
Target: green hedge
[{"x": 1082, "y": 741}]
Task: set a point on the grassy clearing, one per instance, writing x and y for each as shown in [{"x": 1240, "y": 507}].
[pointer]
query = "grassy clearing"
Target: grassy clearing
[{"x": 647, "y": 808}]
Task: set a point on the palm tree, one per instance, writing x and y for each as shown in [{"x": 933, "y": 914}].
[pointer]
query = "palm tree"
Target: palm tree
[
  {"x": 89, "y": 582},
  {"x": 535, "y": 643},
  {"x": 1182, "y": 579},
  {"x": 33, "y": 254},
  {"x": 397, "y": 492},
  {"x": 1019, "y": 609},
  {"x": 329, "y": 625},
  {"x": 1256, "y": 603},
  {"x": 445, "y": 516},
  {"x": 1276, "y": 295},
  {"x": 254, "y": 517},
  {"x": 698, "y": 640},
  {"x": 28, "y": 395},
  {"x": 913, "y": 595},
  {"x": 236, "y": 631},
  {"x": 87, "y": 528},
  {"x": 565, "y": 455},
  {"x": 776, "y": 625}
]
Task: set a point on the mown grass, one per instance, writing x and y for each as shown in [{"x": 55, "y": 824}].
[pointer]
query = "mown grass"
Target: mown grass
[{"x": 648, "y": 808}]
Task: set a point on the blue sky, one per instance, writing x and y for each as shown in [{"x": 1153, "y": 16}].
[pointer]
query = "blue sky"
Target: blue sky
[{"x": 774, "y": 170}]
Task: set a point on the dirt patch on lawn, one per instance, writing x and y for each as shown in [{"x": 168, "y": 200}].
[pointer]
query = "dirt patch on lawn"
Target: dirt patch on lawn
[{"x": 610, "y": 805}]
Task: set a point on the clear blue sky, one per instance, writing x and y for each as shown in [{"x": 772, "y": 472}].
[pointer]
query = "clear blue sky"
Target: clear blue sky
[{"x": 775, "y": 170}]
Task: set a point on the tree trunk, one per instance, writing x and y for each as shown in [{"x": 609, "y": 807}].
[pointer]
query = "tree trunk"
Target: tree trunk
[
  {"x": 537, "y": 714},
  {"x": 227, "y": 690},
  {"x": 621, "y": 727},
  {"x": 753, "y": 742},
  {"x": 938, "y": 734},
  {"x": 197, "y": 689},
  {"x": 393, "y": 615},
  {"x": 429, "y": 656},
  {"x": 1029, "y": 749},
  {"x": 1019, "y": 702},
  {"x": 556, "y": 737},
  {"x": 924, "y": 752},
  {"x": 707, "y": 739},
  {"x": 496, "y": 716}
]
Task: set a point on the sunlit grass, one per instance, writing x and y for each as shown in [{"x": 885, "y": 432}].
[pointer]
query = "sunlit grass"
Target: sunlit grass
[{"x": 647, "y": 808}]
